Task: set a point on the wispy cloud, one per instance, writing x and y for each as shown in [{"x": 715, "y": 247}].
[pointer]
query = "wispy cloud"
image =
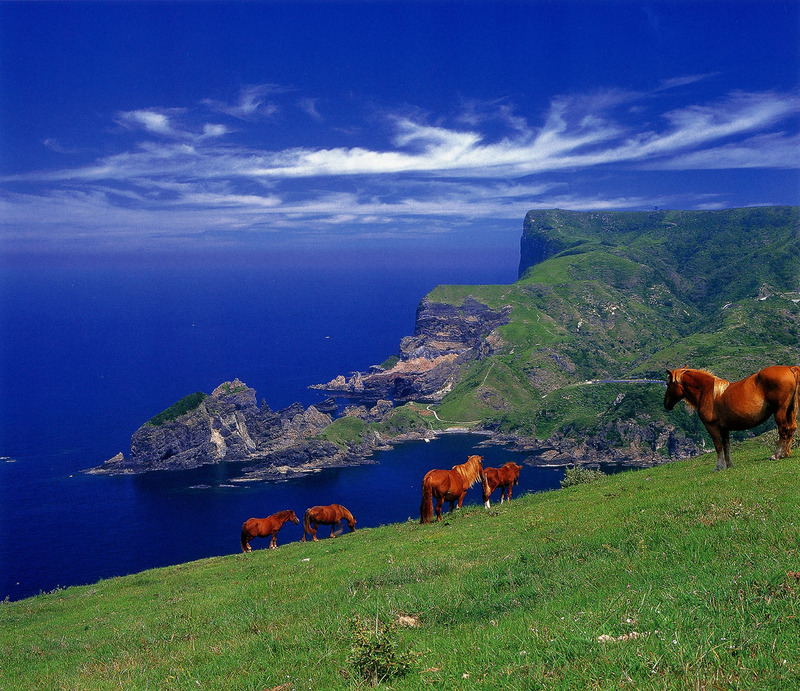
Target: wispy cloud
[
  {"x": 188, "y": 173},
  {"x": 253, "y": 102},
  {"x": 162, "y": 122}
]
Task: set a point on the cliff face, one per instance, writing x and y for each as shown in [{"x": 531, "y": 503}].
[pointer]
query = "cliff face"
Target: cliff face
[
  {"x": 228, "y": 425},
  {"x": 445, "y": 337}
]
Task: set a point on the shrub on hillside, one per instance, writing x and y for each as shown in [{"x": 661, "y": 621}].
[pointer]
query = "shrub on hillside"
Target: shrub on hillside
[
  {"x": 578, "y": 475},
  {"x": 375, "y": 652}
]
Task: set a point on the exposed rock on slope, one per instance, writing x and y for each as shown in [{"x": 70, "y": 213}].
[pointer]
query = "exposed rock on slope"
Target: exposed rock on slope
[
  {"x": 445, "y": 337},
  {"x": 228, "y": 425}
]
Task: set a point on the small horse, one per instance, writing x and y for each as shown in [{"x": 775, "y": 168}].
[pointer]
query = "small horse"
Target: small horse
[
  {"x": 266, "y": 527},
  {"x": 504, "y": 478},
  {"x": 449, "y": 485},
  {"x": 723, "y": 406},
  {"x": 331, "y": 515}
]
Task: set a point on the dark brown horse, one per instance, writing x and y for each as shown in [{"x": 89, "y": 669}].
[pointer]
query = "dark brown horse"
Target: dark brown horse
[
  {"x": 266, "y": 527},
  {"x": 724, "y": 407},
  {"x": 504, "y": 477},
  {"x": 449, "y": 485},
  {"x": 331, "y": 515}
]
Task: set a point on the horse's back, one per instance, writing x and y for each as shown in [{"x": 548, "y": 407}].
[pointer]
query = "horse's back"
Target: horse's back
[
  {"x": 253, "y": 526},
  {"x": 441, "y": 480},
  {"x": 781, "y": 378},
  {"x": 774, "y": 384}
]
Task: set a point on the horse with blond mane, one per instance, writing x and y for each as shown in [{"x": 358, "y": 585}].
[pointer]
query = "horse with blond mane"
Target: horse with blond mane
[
  {"x": 504, "y": 477},
  {"x": 266, "y": 527},
  {"x": 449, "y": 485},
  {"x": 331, "y": 515},
  {"x": 723, "y": 406}
]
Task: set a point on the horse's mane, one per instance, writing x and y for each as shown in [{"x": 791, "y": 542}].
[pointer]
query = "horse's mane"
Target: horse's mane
[
  {"x": 720, "y": 384},
  {"x": 469, "y": 470}
]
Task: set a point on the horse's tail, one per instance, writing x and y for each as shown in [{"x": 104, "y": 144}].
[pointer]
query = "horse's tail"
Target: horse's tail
[
  {"x": 244, "y": 539},
  {"x": 795, "y": 406},
  {"x": 306, "y": 523},
  {"x": 426, "y": 507}
]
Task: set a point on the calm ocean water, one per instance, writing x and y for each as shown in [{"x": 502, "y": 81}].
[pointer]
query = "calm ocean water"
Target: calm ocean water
[{"x": 92, "y": 348}]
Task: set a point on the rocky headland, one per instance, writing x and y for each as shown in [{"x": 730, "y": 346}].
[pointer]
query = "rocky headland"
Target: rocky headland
[
  {"x": 427, "y": 367},
  {"x": 229, "y": 425}
]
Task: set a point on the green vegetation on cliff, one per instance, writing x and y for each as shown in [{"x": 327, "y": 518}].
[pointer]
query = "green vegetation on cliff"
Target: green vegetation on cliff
[
  {"x": 185, "y": 405},
  {"x": 672, "y": 577},
  {"x": 625, "y": 295}
]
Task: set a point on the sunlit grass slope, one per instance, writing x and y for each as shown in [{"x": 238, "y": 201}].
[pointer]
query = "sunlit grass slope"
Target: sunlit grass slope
[{"x": 674, "y": 577}]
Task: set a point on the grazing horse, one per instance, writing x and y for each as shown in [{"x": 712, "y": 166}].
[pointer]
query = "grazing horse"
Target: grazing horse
[
  {"x": 449, "y": 485},
  {"x": 504, "y": 478},
  {"x": 327, "y": 515},
  {"x": 723, "y": 406},
  {"x": 266, "y": 527}
]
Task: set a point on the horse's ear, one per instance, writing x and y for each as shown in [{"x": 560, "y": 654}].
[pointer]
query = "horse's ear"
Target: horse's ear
[{"x": 669, "y": 375}]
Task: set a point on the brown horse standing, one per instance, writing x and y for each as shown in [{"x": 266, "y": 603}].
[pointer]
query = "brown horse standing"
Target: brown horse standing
[
  {"x": 266, "y": 527},
  {"x": 449, "y": 485},
  {"x": 744, "y": 404},
  {"x": 504, "y": 478},
  {"x": 327, "y": 515}
]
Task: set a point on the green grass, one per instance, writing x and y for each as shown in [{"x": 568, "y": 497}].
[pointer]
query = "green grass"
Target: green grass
[
  {"x": 344, "y": 431},
  {"x": 185, "y": 405},
  {"x": 673, "y": 577}
]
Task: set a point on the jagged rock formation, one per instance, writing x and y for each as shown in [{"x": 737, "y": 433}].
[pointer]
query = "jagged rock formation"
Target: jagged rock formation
[
  {"x": 228, "y": 425},
  {"x": 445, "y": 337}
]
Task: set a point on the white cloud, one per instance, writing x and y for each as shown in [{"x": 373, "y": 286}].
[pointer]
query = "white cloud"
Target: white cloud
[
  {"x": 153, "y": 121},
  {"x": 187, "y": 176},
  {"x": 252, "y": 102}
]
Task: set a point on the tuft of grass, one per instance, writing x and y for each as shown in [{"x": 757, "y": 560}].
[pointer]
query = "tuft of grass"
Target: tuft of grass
[{"x": 672, "y": 577}]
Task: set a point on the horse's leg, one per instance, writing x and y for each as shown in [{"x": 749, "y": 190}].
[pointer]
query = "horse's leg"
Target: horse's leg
[
  {"x": 439, "y": 505},
  {"x": 273, "y": 543},
  {"x": 314, "y": 527},
  {"x": 726, "y": 445},
  {"x": 335, "y": 532},
  {"x": 716, "y": 437},
  {"x": 787, "y": 426}
]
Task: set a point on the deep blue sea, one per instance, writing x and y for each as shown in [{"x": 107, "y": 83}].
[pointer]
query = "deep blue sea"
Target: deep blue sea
[{"x": 92, "y": 346}]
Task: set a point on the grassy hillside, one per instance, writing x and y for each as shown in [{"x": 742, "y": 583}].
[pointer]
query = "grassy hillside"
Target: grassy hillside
[
  {"x": 627, "y": 295},
  {"x": 672, "y": 577}
]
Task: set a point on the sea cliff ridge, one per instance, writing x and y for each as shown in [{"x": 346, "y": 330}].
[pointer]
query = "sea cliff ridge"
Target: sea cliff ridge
[{"x": 567, "y": 362}]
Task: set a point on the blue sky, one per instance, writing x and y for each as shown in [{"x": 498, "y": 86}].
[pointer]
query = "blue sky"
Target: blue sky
[{"x": 417, "y": 124}]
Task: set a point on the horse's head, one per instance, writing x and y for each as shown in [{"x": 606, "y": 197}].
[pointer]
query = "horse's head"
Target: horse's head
[
  {"x": 674, "y": 389},
  {"x": 516, "y": 467},
  {"x": 293, "y": 518}
]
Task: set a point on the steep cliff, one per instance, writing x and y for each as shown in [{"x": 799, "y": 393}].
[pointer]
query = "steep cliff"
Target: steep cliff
[
  {"x": 445, "y": 338},
  {"x": 569, "y": 360}
]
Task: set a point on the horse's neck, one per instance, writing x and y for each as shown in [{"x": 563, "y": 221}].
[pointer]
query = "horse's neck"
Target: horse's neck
[{"x": 696, "y": 383}]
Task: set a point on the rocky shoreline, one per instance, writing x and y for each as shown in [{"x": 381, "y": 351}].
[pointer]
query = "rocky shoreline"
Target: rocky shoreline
[{"x": 229, "y": 426}]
